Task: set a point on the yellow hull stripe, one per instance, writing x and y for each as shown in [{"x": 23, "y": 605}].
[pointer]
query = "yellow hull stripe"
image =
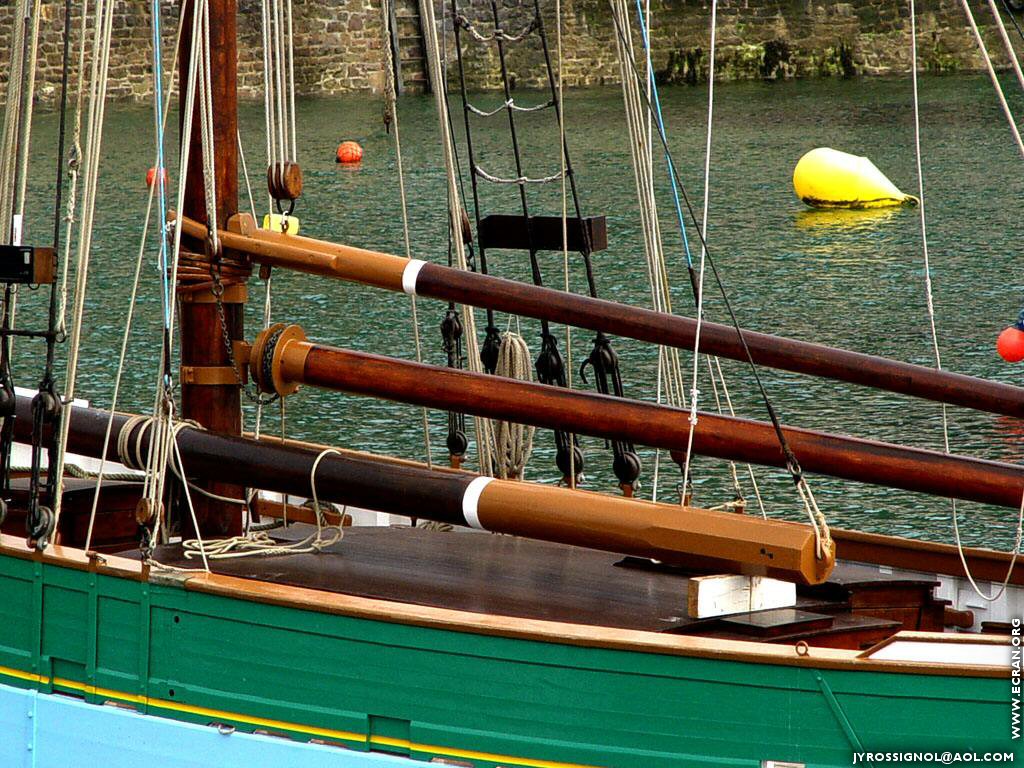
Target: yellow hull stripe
[{"x": 262, "y": 722}]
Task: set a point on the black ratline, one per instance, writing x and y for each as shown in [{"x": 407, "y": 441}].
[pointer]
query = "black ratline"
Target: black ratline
[
  {"x": 791, "y": 463},
  {"x": 1013, "y": 19}
]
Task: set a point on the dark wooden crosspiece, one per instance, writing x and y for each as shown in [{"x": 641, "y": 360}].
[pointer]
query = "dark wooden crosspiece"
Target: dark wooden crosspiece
[{"x": 543, "y": 233}]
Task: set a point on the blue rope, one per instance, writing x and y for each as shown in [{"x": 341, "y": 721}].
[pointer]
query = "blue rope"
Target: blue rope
[
  {"x": 661, "y": 130},
  {"x": 158, "y": 118}
]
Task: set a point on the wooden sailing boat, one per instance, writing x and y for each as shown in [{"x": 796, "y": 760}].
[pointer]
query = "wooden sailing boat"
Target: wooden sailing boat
[{"x": 544, "y": 649}]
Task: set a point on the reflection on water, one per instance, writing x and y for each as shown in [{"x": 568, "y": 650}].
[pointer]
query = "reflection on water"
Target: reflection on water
[
  {"x": 846, "y": 278},
  {"x": 845, "y": 220}
]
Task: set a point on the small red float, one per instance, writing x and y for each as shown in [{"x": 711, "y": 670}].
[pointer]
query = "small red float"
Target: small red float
[
  {"x": 151, "y": 176},
  {"x": 1010, "y": 344},
  {"x": 349, "y": 152}
]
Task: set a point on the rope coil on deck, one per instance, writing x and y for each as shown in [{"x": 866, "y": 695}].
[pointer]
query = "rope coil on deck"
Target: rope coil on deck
[{"x": 130, "y": 451}]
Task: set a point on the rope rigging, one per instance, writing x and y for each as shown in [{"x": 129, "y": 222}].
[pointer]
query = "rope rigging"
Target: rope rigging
[
  {"x": 143, "y": 241},
  {"x": 509, "y": 104},
  {"x": 284, "y": 176},
  {"x": 670, "y": 376},
  {"x": 632, "y": 73},
  {"x": 928, "y": 286},
  {"x": 391, "y": 118},
  {"x": 499, "y": 34},
  {"x": 99, "y": 64},
  {"x": 549, "y": 365},
  {"x": 14, "y": 168},
  {"x": 456, "y": 216}
]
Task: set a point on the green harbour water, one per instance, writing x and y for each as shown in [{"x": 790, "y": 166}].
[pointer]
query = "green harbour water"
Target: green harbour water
[{"x": 845, "y": 278}]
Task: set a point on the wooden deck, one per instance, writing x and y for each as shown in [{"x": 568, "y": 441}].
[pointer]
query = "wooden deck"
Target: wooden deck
[{"x": 503, "y": 575}]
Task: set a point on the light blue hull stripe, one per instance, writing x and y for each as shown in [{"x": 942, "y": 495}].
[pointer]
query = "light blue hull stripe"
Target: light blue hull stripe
[{"x": 53, "y": 731}]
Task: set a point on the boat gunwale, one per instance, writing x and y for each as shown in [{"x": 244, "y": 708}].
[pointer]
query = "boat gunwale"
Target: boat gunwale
[{"x": 512, "y": 627}]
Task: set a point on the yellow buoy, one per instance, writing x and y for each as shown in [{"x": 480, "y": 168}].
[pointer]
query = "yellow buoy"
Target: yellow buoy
[
  {"x": 828, "y": 178},
  {"x": 275, "y": 222}
]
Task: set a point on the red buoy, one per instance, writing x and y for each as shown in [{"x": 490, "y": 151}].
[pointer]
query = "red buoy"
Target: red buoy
[
  {"x": 151, "y": 176},
  {"x": 1010, "y": 344},
  {"x": 349, "y": 152}
]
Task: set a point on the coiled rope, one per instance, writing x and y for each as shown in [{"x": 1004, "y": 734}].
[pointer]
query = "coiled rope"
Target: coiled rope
[
  {"x": 130, "y": 450},
  {"x": 259, "y": 544},
  {"x": 513, "y": 442}
]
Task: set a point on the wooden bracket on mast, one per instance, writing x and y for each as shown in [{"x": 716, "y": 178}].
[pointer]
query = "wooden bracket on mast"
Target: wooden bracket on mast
[{"x": 211, "y": 375}]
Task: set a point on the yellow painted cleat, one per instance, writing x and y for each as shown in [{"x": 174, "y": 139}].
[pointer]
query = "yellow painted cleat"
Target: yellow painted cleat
[
  {"x": 275, "y": 223},
  {"x": 828, "y": 178}
]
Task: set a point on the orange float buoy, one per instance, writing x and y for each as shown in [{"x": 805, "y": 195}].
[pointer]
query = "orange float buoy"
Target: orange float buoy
[
  {"x": 151, "y": 176},
  {"x": 1010, "y": 344},
  {"x": 349, "y": 152}
]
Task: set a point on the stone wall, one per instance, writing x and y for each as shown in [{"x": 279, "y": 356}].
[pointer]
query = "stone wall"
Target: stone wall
[
  {"x": 338, "y": 42},
  {"x": 755, "y": 39}
]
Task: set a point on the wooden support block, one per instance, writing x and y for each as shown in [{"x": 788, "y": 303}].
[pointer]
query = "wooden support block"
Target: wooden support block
[
  {"x": 27, "y": 265},
  {"x": 544, "y": 233},
  {"x": 720, "y": 595}
]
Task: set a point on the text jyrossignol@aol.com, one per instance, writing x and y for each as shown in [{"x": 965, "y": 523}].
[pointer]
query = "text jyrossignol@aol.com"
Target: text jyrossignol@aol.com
[{"x": 941, "y": 758}]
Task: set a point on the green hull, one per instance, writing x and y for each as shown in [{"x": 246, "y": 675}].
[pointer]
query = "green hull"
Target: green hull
[{"x": 481, "y": 700}]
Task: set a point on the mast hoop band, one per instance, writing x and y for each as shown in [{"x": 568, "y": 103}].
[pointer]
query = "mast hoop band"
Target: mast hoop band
[
  {"x": 471, "y": 501},
  {"x": 410, "y": 275}
]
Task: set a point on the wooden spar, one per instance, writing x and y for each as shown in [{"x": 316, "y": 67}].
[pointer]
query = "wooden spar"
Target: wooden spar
[
  {"x": 211, "y": 399},
  {"x": 397, "y": 273},
  {"x": 717, "y": 541},
  {"x": 295, "y": 361}
]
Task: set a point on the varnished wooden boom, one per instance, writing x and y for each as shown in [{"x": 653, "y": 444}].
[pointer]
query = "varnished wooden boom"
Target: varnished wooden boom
[
  {"x": 720, "y": 541},
  {"x": 396, "y": 273},
  {"x": 658, "y": 426}
]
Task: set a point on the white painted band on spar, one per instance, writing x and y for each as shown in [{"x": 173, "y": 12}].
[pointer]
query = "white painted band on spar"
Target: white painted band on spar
[
  {"x": 471, "y": 501},
  {"x": 410, "y": 274}
]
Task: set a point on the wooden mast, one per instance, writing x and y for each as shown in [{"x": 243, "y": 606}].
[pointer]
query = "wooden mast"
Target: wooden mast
[{"x": 209, "y": 392}]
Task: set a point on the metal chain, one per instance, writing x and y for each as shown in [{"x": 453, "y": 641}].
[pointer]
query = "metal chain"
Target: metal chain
[{"x": 217, "y": 289}]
